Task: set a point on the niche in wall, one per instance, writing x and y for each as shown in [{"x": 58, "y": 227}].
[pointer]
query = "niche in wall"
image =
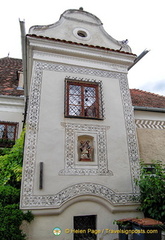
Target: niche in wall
[{"x": 85, "y": 148}]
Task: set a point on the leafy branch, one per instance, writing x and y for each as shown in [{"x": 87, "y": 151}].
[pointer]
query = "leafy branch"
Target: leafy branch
[{"x": 152, "y": 190}]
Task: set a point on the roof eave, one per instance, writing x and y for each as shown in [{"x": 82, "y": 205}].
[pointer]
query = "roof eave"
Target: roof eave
[
  {"x": 79, "y": 44},
  {"x": 149, "y": 109},
  {"x": 80, "y": 51}
]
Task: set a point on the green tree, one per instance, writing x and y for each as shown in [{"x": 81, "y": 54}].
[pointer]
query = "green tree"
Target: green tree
[
  {"x": 152, "y": 190},
  {"x": 11, "y": 164},
  {"x": 11, "y": 216}
]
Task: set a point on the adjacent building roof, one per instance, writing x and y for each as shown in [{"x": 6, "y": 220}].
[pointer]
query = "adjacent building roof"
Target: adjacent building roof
[
  {"x": 9, "y": 76},
  {"x": 141, "y": 221},
  {"x": 146, "y": 99}
]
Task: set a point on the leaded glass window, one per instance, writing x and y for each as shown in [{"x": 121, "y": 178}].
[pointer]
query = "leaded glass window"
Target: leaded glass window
[
  {"x": 7, "y": 134},
  {"x": 83, "y": 99}
]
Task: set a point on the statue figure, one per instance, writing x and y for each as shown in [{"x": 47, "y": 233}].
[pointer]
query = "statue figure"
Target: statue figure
[{"x": 85, "y": 151}]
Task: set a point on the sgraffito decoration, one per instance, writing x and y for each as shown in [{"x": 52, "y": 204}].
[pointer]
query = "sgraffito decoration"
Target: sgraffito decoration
[{"x": 28, "y": 199}]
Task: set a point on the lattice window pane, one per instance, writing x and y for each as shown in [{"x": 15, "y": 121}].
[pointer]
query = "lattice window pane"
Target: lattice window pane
[
  {"x": 89, "y": 101},
  {"x": 2, "y": 128},
  {"x": 74, "y": 100},
  {"x": 7, "y": 134},
  {"x": 74, "y": 110},
  {"x": 10, "y": 132},
  {"x": 74, "y": 89},
  {"x": 83, "y": 99},
  {"x": 89, "y": 91}
]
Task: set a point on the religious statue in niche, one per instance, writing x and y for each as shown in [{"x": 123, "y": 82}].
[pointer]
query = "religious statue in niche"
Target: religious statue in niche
[{"x": 86, "y": 150}]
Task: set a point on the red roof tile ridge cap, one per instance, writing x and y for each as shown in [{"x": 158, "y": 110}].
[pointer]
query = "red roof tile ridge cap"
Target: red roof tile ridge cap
[
  {"x": 125, "y": 219},
  {"x": 10, "y": 58},
  {"x": 77, "y": 43}
]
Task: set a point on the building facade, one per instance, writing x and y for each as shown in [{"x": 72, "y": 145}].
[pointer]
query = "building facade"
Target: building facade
[
  {"x": 11, "y": 101},
  {"x": 149, "y": 112},
  {"x": 85, "y": 129}
]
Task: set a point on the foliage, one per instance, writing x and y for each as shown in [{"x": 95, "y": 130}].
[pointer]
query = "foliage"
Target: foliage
[
  {"x": 11, "y": 216},
  {"x": 152, "y": 191},
  {"x": 10, "y": 221},
  {"x": 6, "y": 143},
  {"x": 9, "y": 195},
  {"x": 11, "y": 164},
  {"x": 122, "y": 223},
  {"x": 4, "y": 151}
]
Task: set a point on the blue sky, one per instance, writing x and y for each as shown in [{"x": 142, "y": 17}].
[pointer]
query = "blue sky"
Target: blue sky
[{"x": 139, "y": 21}]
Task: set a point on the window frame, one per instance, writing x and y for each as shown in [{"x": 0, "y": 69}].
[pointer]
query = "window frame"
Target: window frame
[
  {"x": 5, "y": 141},
  {"x": 98, "y": 95}
]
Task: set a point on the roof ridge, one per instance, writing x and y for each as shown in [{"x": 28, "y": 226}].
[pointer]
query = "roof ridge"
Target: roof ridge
[
  {"x": 144, "y": 91},
  {"x": 10, "y": 58}
]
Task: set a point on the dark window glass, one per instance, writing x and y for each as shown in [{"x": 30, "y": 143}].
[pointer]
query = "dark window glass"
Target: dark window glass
[{"x": 84, "y": 223}]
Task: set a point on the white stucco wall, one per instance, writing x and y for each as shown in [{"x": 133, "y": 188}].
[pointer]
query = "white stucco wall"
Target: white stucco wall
[
  {"x": 42, "y": 226},
  {"x": 51, "y": 136},
  {"x": 46, "y": 107},
  {"x": 105, "y": 189},
  {"x": 12, "y": 110},
  {"x": 150, "y": 127}
]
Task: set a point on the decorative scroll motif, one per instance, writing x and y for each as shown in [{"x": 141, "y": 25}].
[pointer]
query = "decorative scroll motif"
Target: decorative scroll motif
[
  {"x": 150, "y": 124},
  {"x": 79, "y": 189},
  {"x": 40, "y": 66},
  {"x": 30, "y": 200},
  {"x": 70, "y": 167}
]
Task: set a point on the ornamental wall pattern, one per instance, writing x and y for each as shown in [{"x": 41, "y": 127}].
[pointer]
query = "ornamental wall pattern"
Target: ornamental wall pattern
[
  {"x": 56, "y": 200},
  {"x": 151, "y": 124},
  {"x": 70, "y": 142}
]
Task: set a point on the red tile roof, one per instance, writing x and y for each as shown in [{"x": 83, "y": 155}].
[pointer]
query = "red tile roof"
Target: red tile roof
[
  {"x": 76, "y": 43},
  {"x": 147, "y": 99},
  {"x": 141, "y": 221},
  {"x": 9, "y": 68},
  {"x": 146, "y": 222}
]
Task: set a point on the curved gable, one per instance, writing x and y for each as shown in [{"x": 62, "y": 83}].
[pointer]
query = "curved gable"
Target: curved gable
[{"x": 81, "y": 27}]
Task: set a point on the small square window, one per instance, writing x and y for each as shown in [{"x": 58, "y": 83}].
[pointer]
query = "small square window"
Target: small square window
[
  {"x": 83, "y": 99},
  {"x": 7, "y": 134}
]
